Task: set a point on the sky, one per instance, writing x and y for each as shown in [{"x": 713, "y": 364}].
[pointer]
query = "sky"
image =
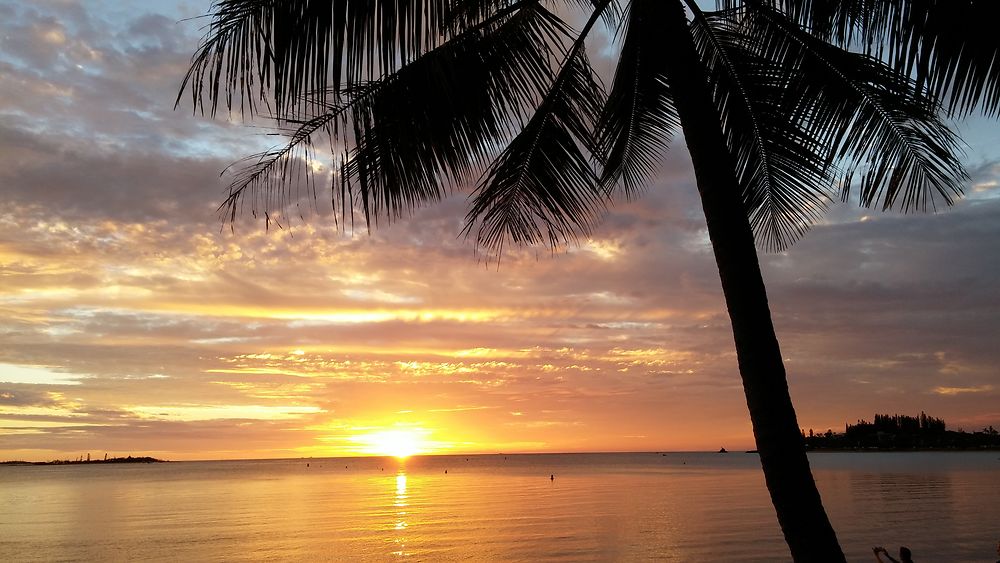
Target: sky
[{"x": 133, "y": 322}]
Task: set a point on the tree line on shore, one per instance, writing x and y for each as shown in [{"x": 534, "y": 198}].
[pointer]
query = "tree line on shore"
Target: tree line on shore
[
  {"x": 902, "y": 432},
  {"x": 82, "y": 461}
]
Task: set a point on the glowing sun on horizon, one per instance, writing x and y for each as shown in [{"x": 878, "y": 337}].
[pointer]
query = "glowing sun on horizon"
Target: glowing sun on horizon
[{"x": 396, "y": 443}]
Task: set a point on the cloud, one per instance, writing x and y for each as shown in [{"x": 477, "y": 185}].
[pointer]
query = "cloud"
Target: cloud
[
  {"x": 130, "y": 319},
  {"x": 34, "y": 375},
  {"x": 26, "y": 397},
  {"x": 962, "y": 390}
]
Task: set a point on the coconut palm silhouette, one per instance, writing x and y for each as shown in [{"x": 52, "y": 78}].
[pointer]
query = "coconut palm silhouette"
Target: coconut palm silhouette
[{"x": 784, "y": 106}]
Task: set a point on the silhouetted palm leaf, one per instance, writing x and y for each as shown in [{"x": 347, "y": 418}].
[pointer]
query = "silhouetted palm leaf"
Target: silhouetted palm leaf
[
  {"x": 875, "y": 119},
  {"x": 639, "y": 119},
  {"x": 949, "y": 47},
  {"x": 543, "y": 187},
  {"x": 465, "y": 98},
  {"x": 254, "y": 49},
  {"x": 783, "y": 168},
  {"x": 438, "y": 121}
]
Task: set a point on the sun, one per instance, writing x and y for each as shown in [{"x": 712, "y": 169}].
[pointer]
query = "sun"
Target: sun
[{"x": 396, "y": 443}]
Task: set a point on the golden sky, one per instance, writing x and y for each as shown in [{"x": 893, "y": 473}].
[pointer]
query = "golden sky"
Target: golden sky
[{"x": 131, "y": 323}]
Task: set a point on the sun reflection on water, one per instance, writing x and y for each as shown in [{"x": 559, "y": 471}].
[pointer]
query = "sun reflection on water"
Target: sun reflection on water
[{"x": 401, "y": 505}]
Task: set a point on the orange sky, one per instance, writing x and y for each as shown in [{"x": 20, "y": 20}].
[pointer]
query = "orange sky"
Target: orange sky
[{"x": 130, "y": 324}]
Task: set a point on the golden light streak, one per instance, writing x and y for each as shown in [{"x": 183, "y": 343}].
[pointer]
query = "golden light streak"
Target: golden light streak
[
  {"x": 25, "y": 425},
  {"x": 332, "y": 315},
  {"x": 222, "y": 412},
  {"x": 962, "y": 390}
]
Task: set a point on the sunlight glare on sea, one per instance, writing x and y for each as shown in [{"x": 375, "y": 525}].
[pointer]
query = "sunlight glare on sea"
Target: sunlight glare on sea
[{"x": 549, "y": 507}]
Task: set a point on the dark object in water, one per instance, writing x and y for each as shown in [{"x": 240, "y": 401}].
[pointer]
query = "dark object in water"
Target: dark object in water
[
  {"x": 552, "y": 477},
  {"x": 723, "y": 451},
  {"x": 752, "y": 451}
]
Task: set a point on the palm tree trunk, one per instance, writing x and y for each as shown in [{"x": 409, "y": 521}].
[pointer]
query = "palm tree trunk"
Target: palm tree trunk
[{"x": 789, "y": 480}]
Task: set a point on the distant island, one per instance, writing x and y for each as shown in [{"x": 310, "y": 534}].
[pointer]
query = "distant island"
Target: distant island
[
  {"x": 901, "y": 432},
  {"x": 88, "y": 461}
]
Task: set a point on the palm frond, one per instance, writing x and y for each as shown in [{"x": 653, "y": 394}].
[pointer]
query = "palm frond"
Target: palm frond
[
  {"x": 254, "y": 50},
  {"x": 875, "y": 120},
  {"x": 848, "y": 23},
  {"x": 948, "y": 47},
  {"x": 543, "y": 186},
  {"x": 783, "y": 169},
  {"x": 411, "y": 136},
  {"x": 464, "y": 14},
  {"x": 272, "y": 178},
  {"x": 639, "y": 119}
]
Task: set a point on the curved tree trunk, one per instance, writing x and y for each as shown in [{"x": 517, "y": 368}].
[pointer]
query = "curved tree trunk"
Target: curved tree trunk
[{"x": 789, "y": 480}]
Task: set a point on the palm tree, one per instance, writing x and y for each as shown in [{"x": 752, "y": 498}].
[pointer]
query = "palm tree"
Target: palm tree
[{"x": 784, "y": 105}]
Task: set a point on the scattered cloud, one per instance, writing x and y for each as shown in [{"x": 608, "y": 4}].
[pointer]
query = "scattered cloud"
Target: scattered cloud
[
  {"x": 131, "y": 320},
  {"x": 962, "y": 390}
]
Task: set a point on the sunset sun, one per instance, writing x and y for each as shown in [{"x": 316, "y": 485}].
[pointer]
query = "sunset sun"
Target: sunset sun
[
  {"x": 396, "y": 443},
  {"x": 500, "y": 280}
]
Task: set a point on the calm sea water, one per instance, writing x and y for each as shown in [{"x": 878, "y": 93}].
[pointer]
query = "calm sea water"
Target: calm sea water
[{"x": 605, "y": 507}]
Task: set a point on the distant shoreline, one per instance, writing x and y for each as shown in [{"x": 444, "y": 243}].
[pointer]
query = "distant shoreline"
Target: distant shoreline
[
  {"x": 129, "y": 459},
  {"x": 884, "y": 450},
  {"x": 900, "y": 432},
  {"x": 146, "y": 459}
]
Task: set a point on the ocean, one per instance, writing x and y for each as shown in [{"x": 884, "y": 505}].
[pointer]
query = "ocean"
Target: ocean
[{"x": 945, "y": 506}]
